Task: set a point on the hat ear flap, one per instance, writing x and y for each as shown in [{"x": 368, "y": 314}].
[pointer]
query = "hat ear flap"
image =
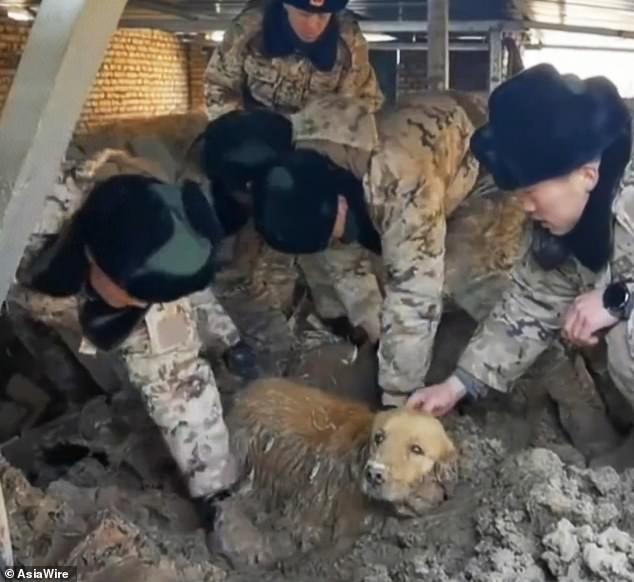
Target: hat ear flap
[
  {"x": 200, "y": 213},
  {"x": 231, "y": 213},
  {"x": 61, "y": 267}
]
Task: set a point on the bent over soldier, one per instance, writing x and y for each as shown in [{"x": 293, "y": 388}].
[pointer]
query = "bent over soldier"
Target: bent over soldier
[
  {"x": 112, "y": 267},
  {"x": 391, "y": 201},
  {"x": 565, "y": 145}
]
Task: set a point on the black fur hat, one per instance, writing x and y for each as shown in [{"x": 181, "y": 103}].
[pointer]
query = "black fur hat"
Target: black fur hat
[
  {"x": 238, "y": 145},
  {"x": 318, "y": 5},
  {"x": 296, "y": 202},
  {"x": 543, "y": 125},
  {"x": 154, "y": 240}
]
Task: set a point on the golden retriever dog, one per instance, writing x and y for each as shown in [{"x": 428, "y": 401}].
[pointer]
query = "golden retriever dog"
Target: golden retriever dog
[{"x": 326, "y": 464}]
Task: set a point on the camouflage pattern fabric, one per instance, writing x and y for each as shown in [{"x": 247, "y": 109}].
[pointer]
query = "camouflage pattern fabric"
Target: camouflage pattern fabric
[
  {"x": 343, "y": 282},
  {"x": 528, "y": 317},
  {"x": 177, "y": 385},
  {"x": 415, "y": 177},
  {"x": 286, "y": 84}
]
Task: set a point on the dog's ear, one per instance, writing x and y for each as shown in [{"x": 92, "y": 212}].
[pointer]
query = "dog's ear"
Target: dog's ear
[{"x": 446, "y": 471}]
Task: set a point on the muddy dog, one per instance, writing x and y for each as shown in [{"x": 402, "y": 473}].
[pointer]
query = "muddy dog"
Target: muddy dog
[{"x": 328, "y": 467}]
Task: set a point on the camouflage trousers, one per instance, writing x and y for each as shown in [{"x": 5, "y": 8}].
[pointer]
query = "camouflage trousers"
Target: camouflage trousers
[
  {"x": 342, "y": 279},
  {"x": 177, "y": 386}
]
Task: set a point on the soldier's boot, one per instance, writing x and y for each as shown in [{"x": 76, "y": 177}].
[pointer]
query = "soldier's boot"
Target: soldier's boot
[
  {"x": 241, "y": 360},
  {"x": 582, "y": 412},
  {"x": 621, "y": 458},
  {"x": 342, "y": 327}
]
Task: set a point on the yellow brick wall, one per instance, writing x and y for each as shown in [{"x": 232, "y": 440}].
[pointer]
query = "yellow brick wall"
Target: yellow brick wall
[
  {"x": 12, "y": 40},
  {"x": 144, "y": 73}
]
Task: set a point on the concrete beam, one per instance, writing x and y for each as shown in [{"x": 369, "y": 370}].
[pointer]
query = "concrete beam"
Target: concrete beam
[
  {"x": 438, "y": 41},
  {"x": 56, "y": 72}
]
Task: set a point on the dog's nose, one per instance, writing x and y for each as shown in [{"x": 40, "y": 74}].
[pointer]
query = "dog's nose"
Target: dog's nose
[{"x": 374, "y": 476}]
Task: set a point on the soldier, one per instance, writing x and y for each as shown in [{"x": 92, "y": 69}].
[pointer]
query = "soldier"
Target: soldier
[
  {"x": 282, "y": 54},
  {"x": 564, "y": 145},
  {"x": 112, "y": 267},
  {"x": 391, "y": 201}
]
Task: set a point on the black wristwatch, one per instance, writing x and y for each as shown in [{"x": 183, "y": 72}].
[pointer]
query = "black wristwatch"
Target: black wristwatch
[{"x": 617, "y": 300}]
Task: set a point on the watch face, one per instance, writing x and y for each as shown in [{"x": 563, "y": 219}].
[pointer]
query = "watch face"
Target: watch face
[{"x": 615, "y": 296}]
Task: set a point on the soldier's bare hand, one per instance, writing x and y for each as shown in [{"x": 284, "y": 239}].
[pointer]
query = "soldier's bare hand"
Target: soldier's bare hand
[
  {"x": 438, "y": 399},
  {"x": 585, "y": 317}
]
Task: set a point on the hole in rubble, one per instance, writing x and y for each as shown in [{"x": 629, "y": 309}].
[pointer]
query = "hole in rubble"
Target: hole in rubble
[{"x": 69, "y": 454}]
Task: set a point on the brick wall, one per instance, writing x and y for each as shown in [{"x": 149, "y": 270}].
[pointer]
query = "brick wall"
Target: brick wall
[
  {"x": 468, "y": 71},
  {"x": 12, "y": 40},
  {"x": 144, "y": 73}
]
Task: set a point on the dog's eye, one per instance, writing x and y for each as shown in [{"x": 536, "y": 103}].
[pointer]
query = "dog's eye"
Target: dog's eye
[
  {"x": 416, "y": 450},
  {"x": 379, "y": 437}
]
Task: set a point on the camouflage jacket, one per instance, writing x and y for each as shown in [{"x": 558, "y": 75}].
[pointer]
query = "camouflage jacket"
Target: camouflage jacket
[
  {"x": 529, "y": 315},
  {"x": 238, "y": 70},
  {"x": 413, "y": 179}
]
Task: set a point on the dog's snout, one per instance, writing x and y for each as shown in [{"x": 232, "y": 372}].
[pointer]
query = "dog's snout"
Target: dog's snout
[{"x": 374, "y": 475}]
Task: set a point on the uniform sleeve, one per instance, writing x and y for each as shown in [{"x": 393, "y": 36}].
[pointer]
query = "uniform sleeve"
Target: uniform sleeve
[
  {"x": 361, "y": 81},
  {"x": 413, "y": 230},
  {"x": 224, "y": 77},
  {"x": 524, "y": 322},
  {"x": 180, "y": 394},
  {"x": 215, "y": 325}
]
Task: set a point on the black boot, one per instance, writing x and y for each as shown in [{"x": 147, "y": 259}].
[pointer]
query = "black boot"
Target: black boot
[
  {"x": 342, "y": 327},
  {"x": 207, "y": 507}
]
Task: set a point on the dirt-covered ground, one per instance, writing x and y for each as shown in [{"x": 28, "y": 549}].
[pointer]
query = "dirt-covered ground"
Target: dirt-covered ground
[{"x": 90, "y": 483}]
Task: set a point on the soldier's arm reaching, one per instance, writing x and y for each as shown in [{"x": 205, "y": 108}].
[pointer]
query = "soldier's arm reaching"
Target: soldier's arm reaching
[
  {"x": 524, "y": 322},
  {"x": 412, "y": 230}
]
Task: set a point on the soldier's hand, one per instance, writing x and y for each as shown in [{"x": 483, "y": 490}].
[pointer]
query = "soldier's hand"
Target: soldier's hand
[
  {"x": 585, "y": 317},
  {"x": 438, "y": 399}
]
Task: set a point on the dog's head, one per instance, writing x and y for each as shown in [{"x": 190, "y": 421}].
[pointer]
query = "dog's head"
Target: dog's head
[{"x": 412, "y": 462}]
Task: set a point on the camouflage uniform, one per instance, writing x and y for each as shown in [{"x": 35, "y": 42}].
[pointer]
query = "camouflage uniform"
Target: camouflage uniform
[
  {"x": 418, "y": 174},
  {"x": 177, "y": 386},
  {"x": 528, "y": 318},
  {"x": 238, "y": 68}
]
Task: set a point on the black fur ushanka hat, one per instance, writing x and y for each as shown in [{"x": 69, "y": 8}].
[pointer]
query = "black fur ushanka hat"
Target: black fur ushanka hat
[{"x": 543, "y": 125}]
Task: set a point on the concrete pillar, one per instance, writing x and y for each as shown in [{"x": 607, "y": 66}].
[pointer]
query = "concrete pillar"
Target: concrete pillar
[
  {"x": 56, "y": 72},
  {"x": 495, "y": 58},
  {"x": 438, "y": 40}
]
